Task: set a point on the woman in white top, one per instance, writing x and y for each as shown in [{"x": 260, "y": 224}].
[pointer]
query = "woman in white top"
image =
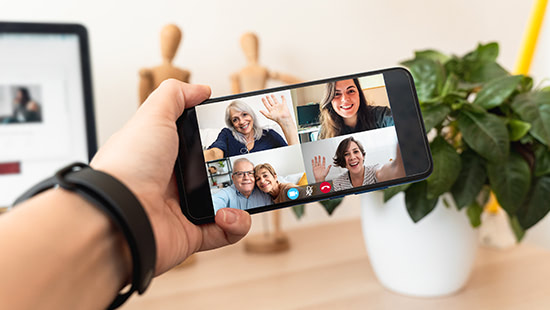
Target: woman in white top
[{"x": 350, "y": 154}]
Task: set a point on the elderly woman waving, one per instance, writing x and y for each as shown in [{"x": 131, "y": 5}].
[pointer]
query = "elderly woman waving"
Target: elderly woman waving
[{"x": 243, "y": 133}]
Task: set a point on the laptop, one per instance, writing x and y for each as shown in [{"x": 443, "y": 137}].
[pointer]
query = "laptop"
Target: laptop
[
  {"x": 308, "y": 115},
  {"x": 46, "y": 110}
]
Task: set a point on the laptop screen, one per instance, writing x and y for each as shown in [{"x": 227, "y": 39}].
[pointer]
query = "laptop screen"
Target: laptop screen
[
  {"x": 44, "y": 118},
  {"x": 308, "y": 115}
]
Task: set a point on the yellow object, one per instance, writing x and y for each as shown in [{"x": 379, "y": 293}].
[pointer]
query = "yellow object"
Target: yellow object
[
  {"x": 523, "y": 64},
  {"x": 492, "y": 206},
  {"x": 303, "y": 180},
  {"x": 530, "y": 38}
]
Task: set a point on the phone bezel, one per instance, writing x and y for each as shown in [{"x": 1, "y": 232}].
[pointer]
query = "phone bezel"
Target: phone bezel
[{"x": 193, "y": 184}]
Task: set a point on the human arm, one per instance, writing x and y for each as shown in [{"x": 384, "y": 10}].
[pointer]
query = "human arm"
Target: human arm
[
  {"x": 63, "y": 253},
  {"x": 320, "y": 169},
  {"x": 279, "y": 113},
  {"x": 393, "y": 169},
  {"x": 212, "y": 154}
]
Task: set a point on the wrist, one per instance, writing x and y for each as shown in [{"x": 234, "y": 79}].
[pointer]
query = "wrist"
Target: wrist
[
  {"x": 63, "y": 239},
  {"x": 121, "y": 206},
  {"x": 99, "y": 230}
]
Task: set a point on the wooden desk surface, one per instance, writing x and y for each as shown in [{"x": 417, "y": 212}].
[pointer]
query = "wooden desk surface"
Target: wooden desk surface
[{"x": 327, "y": 268}]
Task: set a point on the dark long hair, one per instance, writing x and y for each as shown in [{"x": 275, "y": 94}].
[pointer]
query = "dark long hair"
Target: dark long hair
[
  {"x": 332, "y": 124},
  {"x": 25, "y": 96}
]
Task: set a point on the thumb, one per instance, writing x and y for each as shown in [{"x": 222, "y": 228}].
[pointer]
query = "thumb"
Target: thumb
[
  {"x": 235, "y": 223},
  {"x": 172, "y": 97},
  {"x": 264, "y": 113}
]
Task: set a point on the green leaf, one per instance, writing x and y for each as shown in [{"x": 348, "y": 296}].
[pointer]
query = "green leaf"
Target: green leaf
[
  {"x": 534, "y": 107},
  {"x": 519, "y": 232},
  {"x": 299, "y": 211},
  {"x": 428, "y": 77},
  {"x": 485, "y": 133},
  {"x": 510, "y": 181},
  {"x": 486, "y": 72},
  {"x": 526, "y": 84},
  {"x": 418, "y": 206},
  {"x": 542, "y": 160},
  {"x": 433, "y": 55},
  {"x": 537, "y": 207},
  {"x": 331, "y": 204},
  {"x": 451, "y": 85},
  {"x": 517, "y": 129},
  {"x": 474, "y": 212},
  {"x": 483, "y": 53},
  {"x": 434, "y": 115},
  {"x": 446, "y": 168},
  {"x": 471, "y": 179},
  {"x": 394, "y": 190},
  {"x": 495, "y": 92}
]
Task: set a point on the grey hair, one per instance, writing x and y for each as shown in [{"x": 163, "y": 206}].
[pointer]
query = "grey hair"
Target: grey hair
[
  {"x": 241, "y": 106},
  {"x": 241, "y": 160}
]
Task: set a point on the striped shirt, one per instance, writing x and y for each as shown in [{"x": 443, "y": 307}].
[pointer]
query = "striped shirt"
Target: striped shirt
[{"x": 343, "y": 181}]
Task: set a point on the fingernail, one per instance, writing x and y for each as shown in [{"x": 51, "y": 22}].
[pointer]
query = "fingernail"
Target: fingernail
[{"x": 229, "y": 216}]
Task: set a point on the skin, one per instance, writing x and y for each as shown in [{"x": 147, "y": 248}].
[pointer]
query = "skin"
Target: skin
[
  {"x": 346, "y": 101},
  {"x": 66, "y": 254},
  {"x": 244, "y": 184},
  {"x": 276, "y": 110},
  {"x": 267, "y": 182},
  {"x": 18, "y": 97},
  {"x": 354, "y": 163},
  {"x": 242, "y": 122}
]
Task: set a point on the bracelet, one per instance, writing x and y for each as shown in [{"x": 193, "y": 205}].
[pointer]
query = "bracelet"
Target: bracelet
[{"x": 122, "y": 207}]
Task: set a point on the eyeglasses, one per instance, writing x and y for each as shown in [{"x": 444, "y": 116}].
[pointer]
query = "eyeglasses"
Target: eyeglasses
[{"x": 240, "y": 174}]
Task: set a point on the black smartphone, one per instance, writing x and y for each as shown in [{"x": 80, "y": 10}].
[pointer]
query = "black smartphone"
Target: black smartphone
[{"x": 291, "y": 145}]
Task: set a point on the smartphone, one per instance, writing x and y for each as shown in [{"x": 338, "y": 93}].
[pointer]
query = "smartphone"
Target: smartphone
[{"x": 296, "y": 144}]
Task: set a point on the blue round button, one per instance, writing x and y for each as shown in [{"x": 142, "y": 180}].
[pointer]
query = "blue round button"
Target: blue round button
[{"x": 292, "y": 193}]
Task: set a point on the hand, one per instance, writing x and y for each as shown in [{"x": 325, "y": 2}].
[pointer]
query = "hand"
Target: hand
[
  {"x": 276, "y": 111},
  {"x": 320, "y": 171},
  {"x": 142, "y": 156}
]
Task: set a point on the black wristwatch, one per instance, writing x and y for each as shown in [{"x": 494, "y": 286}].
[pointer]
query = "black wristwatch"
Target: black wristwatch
[{"x": 122, "y": 207}]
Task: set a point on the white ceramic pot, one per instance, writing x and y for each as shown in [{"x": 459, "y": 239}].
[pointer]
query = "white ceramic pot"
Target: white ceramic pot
[{"x": 433, "y": 257}]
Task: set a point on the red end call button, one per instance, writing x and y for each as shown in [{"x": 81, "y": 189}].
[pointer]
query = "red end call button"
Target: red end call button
[{"x": 325, "y": 187}]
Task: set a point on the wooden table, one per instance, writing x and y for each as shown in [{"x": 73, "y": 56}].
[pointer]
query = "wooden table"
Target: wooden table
[{"x": 327, "y": 268}]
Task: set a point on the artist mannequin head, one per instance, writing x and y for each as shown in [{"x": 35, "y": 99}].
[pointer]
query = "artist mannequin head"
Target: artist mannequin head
[
  {"x": 170, "y": 37},
  {"x": 249, "y": 44}
]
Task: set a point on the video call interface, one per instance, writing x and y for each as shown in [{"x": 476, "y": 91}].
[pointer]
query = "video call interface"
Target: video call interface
[{"x": 299, "y": 143}]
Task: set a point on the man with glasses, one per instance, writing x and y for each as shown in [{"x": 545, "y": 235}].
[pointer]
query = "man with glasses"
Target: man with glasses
[{"x": 243, "y": 194}]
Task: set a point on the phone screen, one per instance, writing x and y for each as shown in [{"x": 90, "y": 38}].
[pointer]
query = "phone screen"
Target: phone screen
[{"x": 271, "y": 149}]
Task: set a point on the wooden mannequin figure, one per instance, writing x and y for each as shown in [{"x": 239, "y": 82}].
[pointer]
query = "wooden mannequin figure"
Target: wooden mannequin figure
[
  {"x": 255, "y": 77},
  {"x": 150, "y": 78}
]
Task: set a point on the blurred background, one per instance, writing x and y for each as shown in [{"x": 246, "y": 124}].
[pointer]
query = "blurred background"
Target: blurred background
[{"x": 307, "y": 39}]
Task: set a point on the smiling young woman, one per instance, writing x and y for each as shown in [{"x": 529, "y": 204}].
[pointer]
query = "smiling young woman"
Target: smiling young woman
[{"x": 345, "y": 110}]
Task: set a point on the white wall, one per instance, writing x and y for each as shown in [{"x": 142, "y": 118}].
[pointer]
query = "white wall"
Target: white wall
[{"x": 308, "y": 39}]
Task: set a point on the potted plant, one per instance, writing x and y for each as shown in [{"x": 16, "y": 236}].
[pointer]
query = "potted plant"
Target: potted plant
[{"x": 489, "y": 131}]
